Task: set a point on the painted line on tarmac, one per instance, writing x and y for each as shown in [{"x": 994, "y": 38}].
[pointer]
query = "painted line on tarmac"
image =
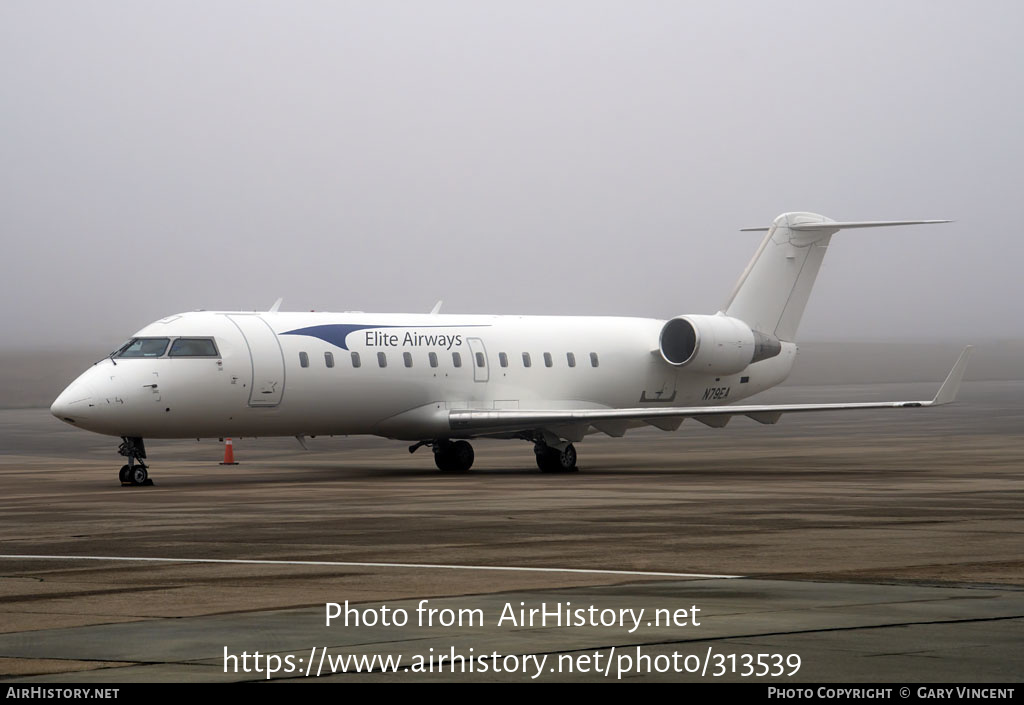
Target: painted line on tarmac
[{"x": 354, "y": 564}]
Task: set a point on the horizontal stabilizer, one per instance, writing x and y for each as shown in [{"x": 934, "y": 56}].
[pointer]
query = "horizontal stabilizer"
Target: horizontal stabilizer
[
  {"x": 862, "y": 224},
  {"x": 849, "y": 225}
]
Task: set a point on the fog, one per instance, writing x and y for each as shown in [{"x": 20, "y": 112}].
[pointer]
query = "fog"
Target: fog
[{"x": 509, "y": 157}]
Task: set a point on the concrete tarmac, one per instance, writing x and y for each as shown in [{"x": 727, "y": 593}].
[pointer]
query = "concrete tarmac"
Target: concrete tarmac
[{"x": 874, "y": 546}]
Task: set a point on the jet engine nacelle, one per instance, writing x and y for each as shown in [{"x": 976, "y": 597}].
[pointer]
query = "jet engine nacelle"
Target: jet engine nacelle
[{"x": 717, "y": 345}]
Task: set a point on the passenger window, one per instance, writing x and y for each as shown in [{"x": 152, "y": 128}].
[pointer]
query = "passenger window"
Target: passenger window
[
  {"x": 193, "y": 347},
  {"x": 407, "y": 356},
  {"x": 457, "y": 359},
  {"x": 526, "y": 359},
  {"x": 329, "y": 358},
  {"x": 382, "y": 359},
  {"x": 479, "y": 359},
  {"x": 433, "y": 359},
  {"x": 571, "y": 359},
  {"x": 548, "y": 362},
  {"x": 144, "y": 347},
  {"x": 304, "y": 359},
  {"x": 356, "y": 362},
  {"x": 503, "y": 359},
  {"x": 593, "y": 359}
]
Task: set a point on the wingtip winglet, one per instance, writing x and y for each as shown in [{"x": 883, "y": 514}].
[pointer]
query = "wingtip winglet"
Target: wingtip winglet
[{"x": 948, "y": 391}]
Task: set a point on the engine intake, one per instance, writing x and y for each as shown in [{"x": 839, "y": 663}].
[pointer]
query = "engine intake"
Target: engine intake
[{"x": 714, "y": 344}]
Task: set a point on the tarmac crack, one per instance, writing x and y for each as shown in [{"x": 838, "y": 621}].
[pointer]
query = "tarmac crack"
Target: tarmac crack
[
  {"x": 85, "y": 593},
  {"x": 822, "y": 630}
]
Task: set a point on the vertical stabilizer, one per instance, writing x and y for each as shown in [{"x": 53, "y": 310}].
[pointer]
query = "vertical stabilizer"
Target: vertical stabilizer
[{"x": 772, "y": 292}]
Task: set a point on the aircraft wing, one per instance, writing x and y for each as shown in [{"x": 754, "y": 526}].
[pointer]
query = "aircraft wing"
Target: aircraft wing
[{"x": 572, "y": 423}]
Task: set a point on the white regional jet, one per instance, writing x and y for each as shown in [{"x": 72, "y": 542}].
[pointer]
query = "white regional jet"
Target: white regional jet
[{"x": 439, "y": 380}]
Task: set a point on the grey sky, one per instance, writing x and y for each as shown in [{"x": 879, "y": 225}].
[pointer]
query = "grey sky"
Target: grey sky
[{"x": 508, "y": 157}]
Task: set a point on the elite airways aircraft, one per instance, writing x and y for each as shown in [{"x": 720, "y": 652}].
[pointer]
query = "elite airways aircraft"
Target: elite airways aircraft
[{"x": 438, "y": 380}]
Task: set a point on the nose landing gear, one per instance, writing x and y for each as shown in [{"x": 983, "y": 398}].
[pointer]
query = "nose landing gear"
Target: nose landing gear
[{"x": 135, "y": 473}]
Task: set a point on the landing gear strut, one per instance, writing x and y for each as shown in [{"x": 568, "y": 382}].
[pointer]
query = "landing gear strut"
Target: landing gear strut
[
  {"x": 135, "y": 472},
  {"x": 551, "y": 459},
  {"x": 453, "y": 457}
]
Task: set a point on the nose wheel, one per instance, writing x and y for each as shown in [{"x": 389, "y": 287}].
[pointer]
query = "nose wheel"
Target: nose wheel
[{"x": 135, "y": 473}]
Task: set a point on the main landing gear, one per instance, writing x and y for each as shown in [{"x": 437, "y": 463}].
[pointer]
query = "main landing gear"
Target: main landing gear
[
  {"x": 457, "y": 456},
  {"x": 553, "y": 459},
  {"x": 454, "y": 456},
  {"x": 136, "y": 472},
  {"x": 449, "y": 456}
]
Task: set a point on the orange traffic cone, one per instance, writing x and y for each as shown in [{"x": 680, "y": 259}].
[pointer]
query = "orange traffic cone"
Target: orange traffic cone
[{"x": 229, "y": 453}]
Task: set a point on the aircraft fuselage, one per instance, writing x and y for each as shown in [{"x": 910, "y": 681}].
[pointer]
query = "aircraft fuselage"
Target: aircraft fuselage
[{"x": 286, "y": 374}]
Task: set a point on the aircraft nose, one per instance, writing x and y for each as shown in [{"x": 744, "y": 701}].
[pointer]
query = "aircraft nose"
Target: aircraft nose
[{"x": 73, "y": 403}]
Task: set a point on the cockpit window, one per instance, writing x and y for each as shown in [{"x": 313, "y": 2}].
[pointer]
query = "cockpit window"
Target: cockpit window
[
  {"x": 144, "y": 347},
  {"x": 193, "y": 347}
]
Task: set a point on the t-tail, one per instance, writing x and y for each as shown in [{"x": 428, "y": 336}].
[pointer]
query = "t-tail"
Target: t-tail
[{"x": 772, "y": 292}]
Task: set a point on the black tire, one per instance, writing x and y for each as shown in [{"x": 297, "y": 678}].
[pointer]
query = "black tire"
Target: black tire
[
  {"x": 462, "y": 456},
  {"x": 125, "y": 474},
  {"x": 544, "y": 461},
  {"x": 443, "y": 458},
  {"x": 139, "y": 475},
  {"x": 554, "y": 460},
  {"x": 454, "y": 457},
  {"x": 567, "y": 459},
  {"x": 547, "y": 460}
]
